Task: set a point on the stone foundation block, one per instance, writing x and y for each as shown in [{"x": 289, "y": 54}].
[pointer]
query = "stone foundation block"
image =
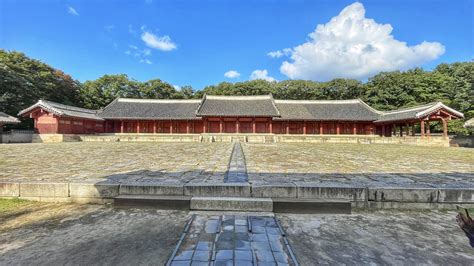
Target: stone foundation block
[
  {"x": 221, "y": 189},
  {"x": 44, "y": 190},
  {"x": 461, "y": 195},
  {"x": 90, "y": 190},
  {"x": 418, "y": 195},
  {"x": 231, "y": 204},
  {"x": 321, "y": 191},
  {"x": 149, "y": 189},
  {"x": 274, "y": 190},
  {"x": 9, "y": 189}
]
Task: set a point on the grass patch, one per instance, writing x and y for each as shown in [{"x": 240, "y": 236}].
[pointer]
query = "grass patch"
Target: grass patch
[{"x": 7, "y": 205}]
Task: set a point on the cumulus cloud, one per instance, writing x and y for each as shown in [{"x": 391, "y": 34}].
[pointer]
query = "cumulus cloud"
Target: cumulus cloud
[
  {"x": 231, "y": 74},
  {"x": 146, "y": 61},
  {"x": 163, "y": 43},
  {"x": 280, "y": 53},
  {"x": 261, "y": 74},
  {"x": 353, "y": 46},
  {"x": 71, "y": 10}
]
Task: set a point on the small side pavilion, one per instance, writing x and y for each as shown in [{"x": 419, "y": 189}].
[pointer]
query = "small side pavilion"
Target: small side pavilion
[
  {"x": 405, "y": 119},
  {"x": 7, "y": 119}
]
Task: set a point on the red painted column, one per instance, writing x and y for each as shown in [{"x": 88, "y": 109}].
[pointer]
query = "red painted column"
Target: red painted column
[
  {"x": 321, "y": 128},
  {"x": 354, "y": 129},
  {"x": 204, "y": 126},
  {"x": 187, "y": 126},
  {"x": 271, "y": 126},
  {"x": 220, "y": 125},
  {"x": 138, "y": 126},
  {"x": 253, "y": 125},
  {"x": 154, "y": 127},
  {"x": 171, "y": 126},
  {"x": 383, "y": 130},
  {"x": 304, "y": 127},
  {"x": 287, "y": 127},
  {"x": 422, "y": 128},
  {"x": 445, "y": 128},
  {"x": 237, "y": 126},
  {"x": 121, "y": 126},
  {"x": 338, "y": 130}
]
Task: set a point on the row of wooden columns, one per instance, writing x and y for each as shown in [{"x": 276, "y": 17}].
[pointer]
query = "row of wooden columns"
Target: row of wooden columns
[
  {"x": 188, "y": 129},
  {"x": 424, "y": 129}
]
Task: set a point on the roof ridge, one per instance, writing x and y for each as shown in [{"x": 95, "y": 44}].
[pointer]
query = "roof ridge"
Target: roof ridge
[
  {"x": 136, "y": 100},
  {"x": 408, "y": 109},
  {"x": 318, "y": 101},
  {"x": 68, "y": 107},
  {"x": 238, "y": 97}
]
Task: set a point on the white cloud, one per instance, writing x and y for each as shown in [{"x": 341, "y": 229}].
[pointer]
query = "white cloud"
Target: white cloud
[
  {"x": 176, "y": 87},
  {"x": 280, "y": 53},
  {"x": 109, "y": 28},
  {"x": 163, "y": 43},
  {"x": 231, "y": 74},
  {"x": 261, "y": 74},
  {"x": 132, "y": 47},
  {"x": 353, "y": 46},
  {"x": 72, "y": 11},
  {"x": 146, "y": 61},
  {"x": 128, "y": 52},
  {"x": 131, "y": 30},
  {"x": 146, "y": 52}
]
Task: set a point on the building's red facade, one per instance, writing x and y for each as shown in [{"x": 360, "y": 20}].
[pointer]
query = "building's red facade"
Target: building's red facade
[{"x": 221, "y": 114}]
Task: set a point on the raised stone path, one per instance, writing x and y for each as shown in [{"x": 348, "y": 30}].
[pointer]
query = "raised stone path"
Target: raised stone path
[
  {"x": 233, "y": 240},
  {"x": 237, "y": 172}
]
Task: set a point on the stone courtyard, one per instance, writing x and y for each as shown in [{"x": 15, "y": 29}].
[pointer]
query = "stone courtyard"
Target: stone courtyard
[{"x": 179, "y": 163}]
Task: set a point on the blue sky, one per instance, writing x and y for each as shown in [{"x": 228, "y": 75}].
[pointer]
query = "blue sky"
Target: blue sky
[{"x": 197, "y": 42}]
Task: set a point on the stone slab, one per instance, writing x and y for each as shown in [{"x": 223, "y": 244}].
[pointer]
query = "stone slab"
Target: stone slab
[
  {"x": 156, "y": 201},
  {"x": 459, "y": 195},
  {"x": 290, "y": 205},
  {"x": 91, "y": 190},
  {"x": 322, "y": 191},
  {"x": 9, "y": 189},
  {"x": 397, "y": 194},
  {"x": 231, "y": 204},
  {"x": 45, "y": 190},
  {"x": 219, "y": 189},
  {"x": 286, "y": 190},
  {"x": 151, "y": 189}
]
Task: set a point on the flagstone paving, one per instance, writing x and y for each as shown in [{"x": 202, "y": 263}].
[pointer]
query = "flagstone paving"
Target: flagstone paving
[
  {"x": 121, "y": 162},
  {"x": 356, "y": 164}
]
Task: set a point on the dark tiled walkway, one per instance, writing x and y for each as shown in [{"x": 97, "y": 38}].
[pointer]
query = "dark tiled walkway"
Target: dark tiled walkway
[
  {"x": 234, "y": 240},
  {"x": 237, "y": 172}
]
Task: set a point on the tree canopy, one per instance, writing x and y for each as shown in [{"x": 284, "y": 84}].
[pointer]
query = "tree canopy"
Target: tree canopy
[{"x": 24, "y": 80}]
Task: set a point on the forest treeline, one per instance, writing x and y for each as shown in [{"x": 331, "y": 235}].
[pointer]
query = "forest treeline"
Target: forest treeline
[{"x": 24, "y": 80}]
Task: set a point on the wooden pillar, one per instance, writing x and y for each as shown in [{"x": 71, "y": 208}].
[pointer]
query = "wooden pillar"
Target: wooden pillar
[
  {"x": 187, "y": 126},
  {"x": 287, "y": 127},
  {"x": 383, "y": 130},
  {"x": 445, "y": 128},
  {"x": 154, "y": 127},
  {"x": 354, "y": 129},
  {"x": 171, "y": 126},
  {"x": 270, "y": 126},
  {"x": 321, "y": 128},
  {"x": 428, "y": 128},
  {"x": 304, "y": 127},
  {"x": 138, "y": 126},
  {"x": 338, "y": 130},
  {"x": 237, "y": 126},
  {"x": 204, "y": 126},
  {"x": 253, "y": 125},
  {"x": 422, "y": 128},
  {"x": 121, "y": 126},
  {"x": 220, "y": 124}
]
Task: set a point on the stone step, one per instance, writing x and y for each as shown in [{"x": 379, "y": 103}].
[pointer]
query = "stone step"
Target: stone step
[
  {"x": 157, "y": 201},
  {"x": 232, "y": 204},
  {"x": 292, "y": 205}
]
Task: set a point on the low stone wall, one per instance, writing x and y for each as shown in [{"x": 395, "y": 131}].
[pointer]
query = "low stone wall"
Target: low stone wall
[
  {"x": 249, "y": 138},
  {"x": 360, "y": 197},
  {"x": 462, "y": 141},
  {"x": 16, "y": 138}
]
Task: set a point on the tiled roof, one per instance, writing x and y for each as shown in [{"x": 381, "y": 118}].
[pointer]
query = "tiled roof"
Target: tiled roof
[
  {"x": 416, "y": 112},
  {"x": 123, "y": 108},
  {"x": 262, "y": 105},
  {"x": 8, "y": 119},
  {"x": 344, "y": 110},
  {"x": 62, "y": 110}
]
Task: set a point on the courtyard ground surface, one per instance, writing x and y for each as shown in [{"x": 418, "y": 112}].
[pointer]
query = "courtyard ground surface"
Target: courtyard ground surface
[
  {"x": 179, "y": 163},
  {"x": 52, "y": 233}
]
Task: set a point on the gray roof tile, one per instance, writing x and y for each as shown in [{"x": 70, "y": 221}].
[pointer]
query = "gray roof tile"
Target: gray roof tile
[
  {"x": 262, "y": 105},
  {"x": 8, "y": 119},
  {"x": 63, "y": 110}
]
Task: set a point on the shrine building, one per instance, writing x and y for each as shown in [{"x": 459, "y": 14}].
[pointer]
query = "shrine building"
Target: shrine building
[{"x": 237, "y": 114}]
